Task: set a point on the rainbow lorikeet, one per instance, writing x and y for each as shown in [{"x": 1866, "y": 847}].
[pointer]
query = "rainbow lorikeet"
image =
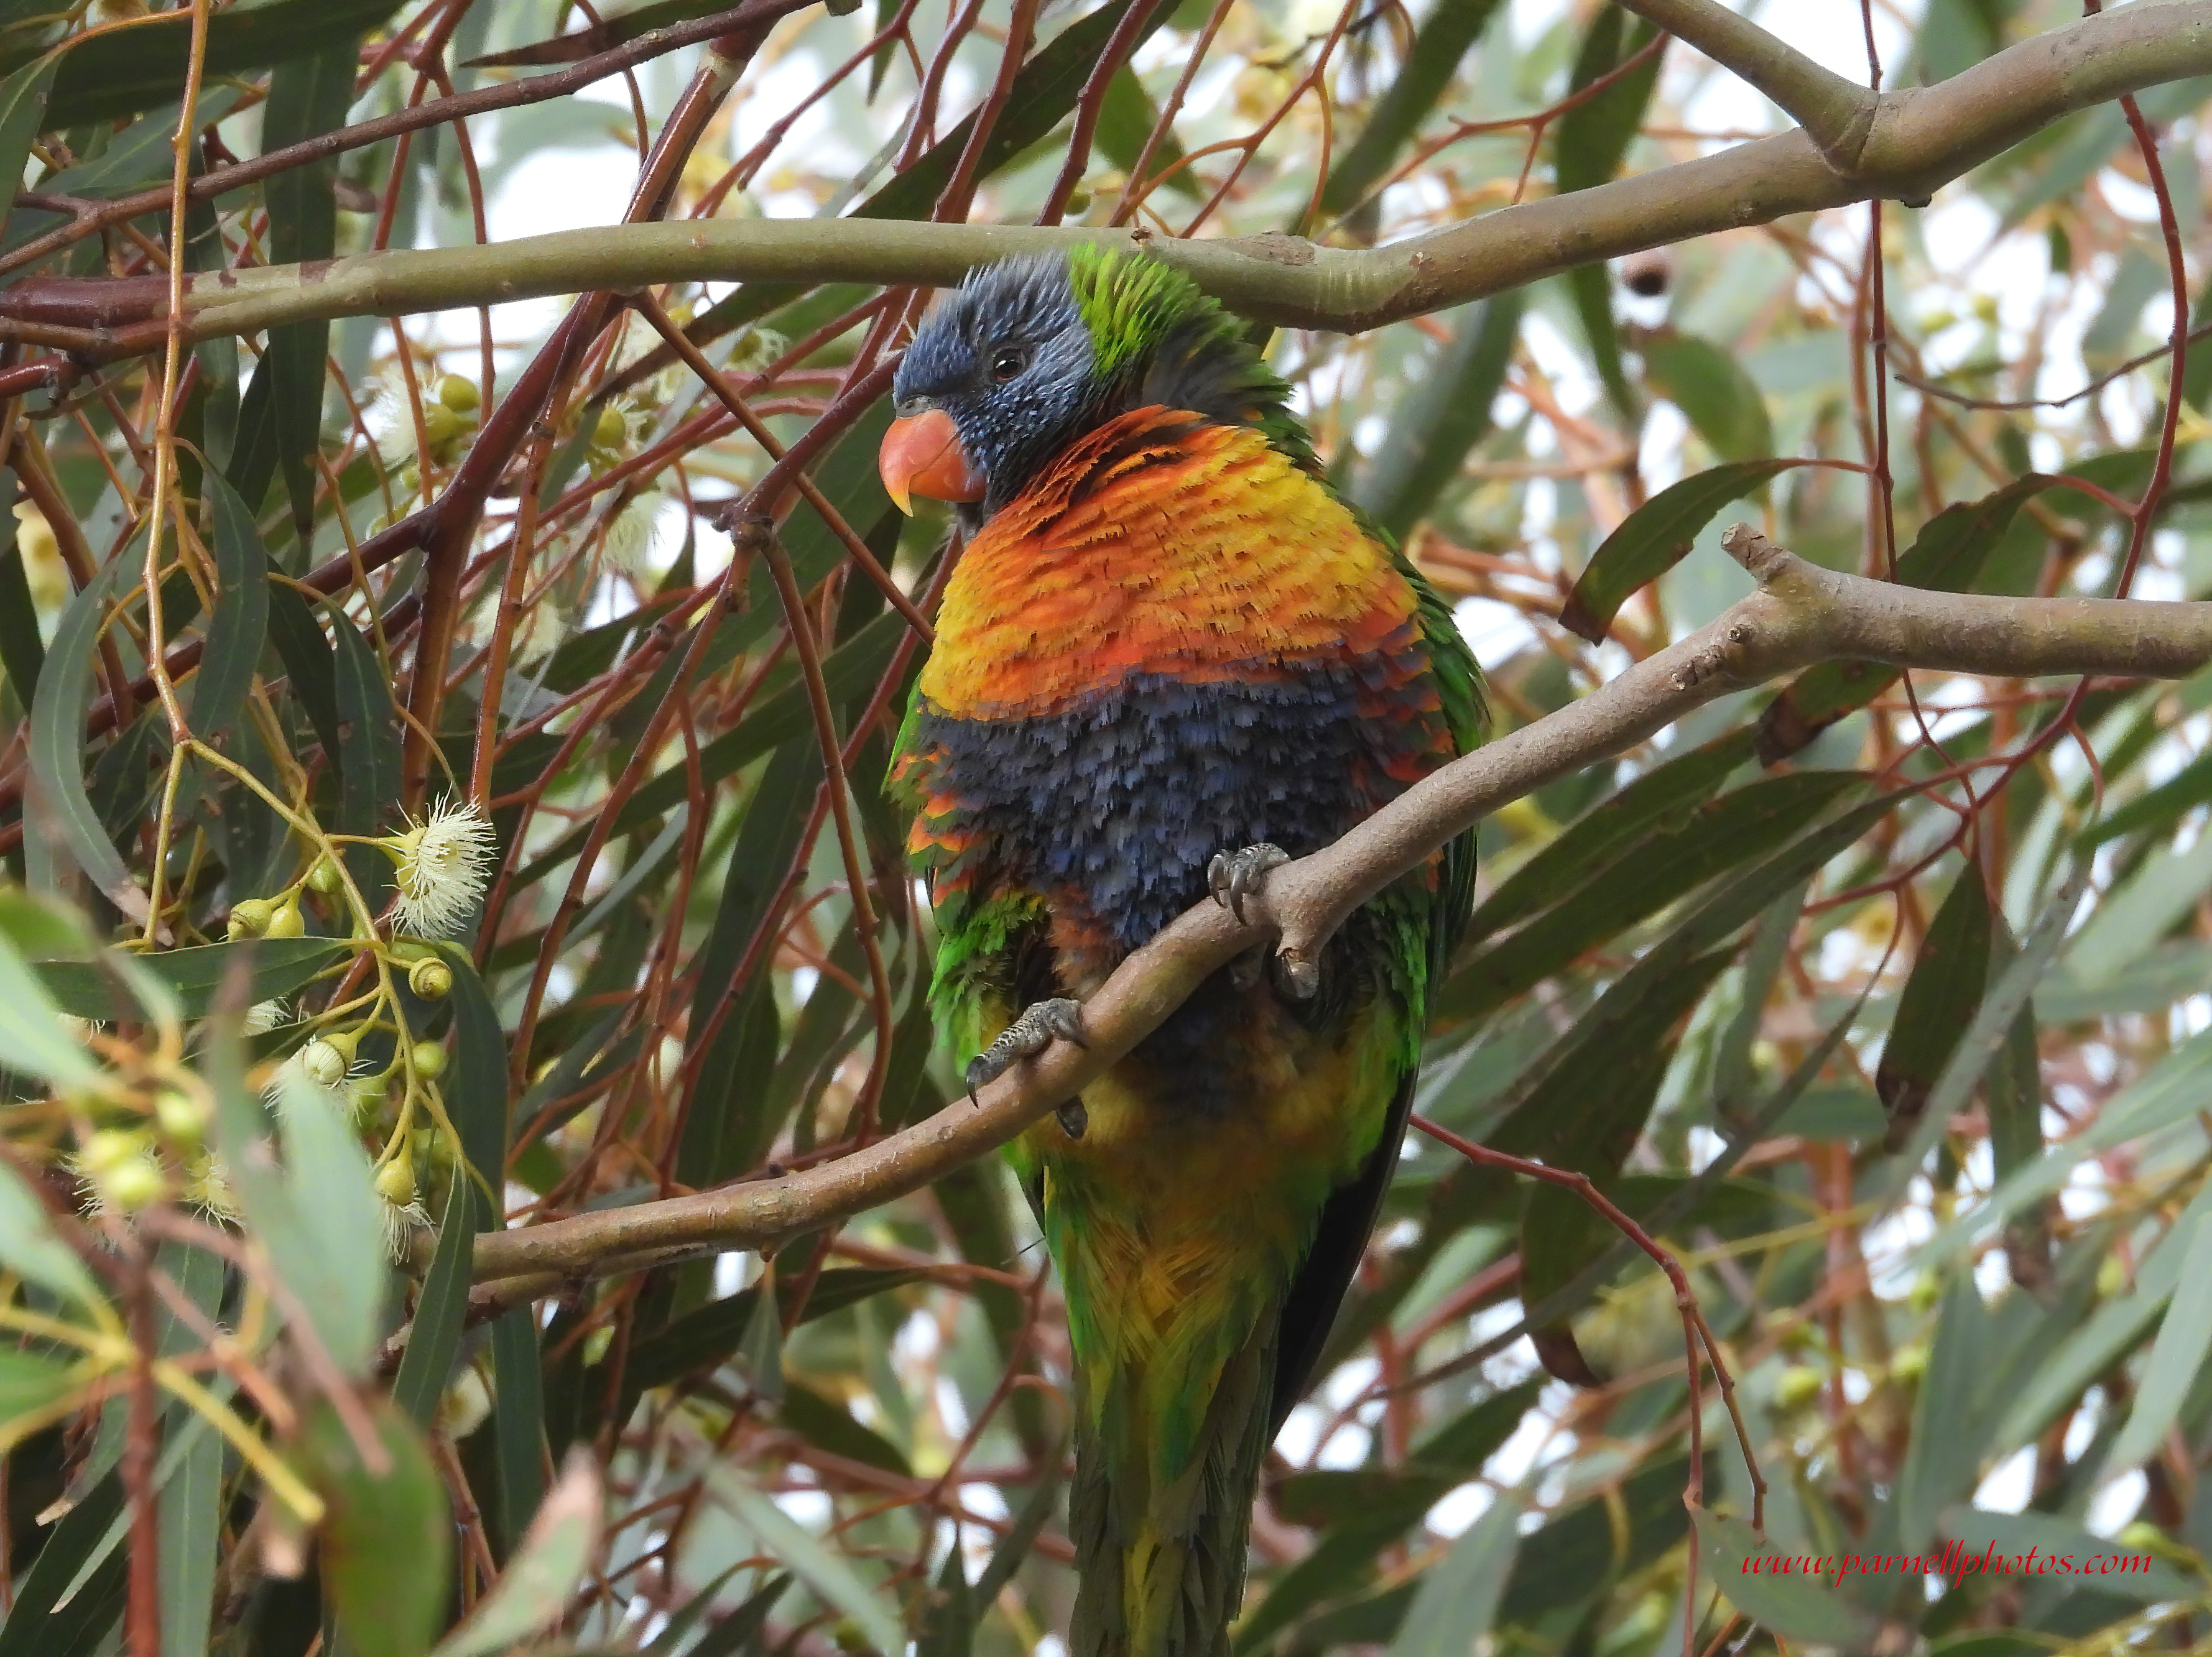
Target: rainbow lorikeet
[{"x": 1170, "y": 654}]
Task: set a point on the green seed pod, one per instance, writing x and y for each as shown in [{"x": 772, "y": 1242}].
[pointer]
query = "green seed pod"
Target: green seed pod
[
  {"x": 286, "y": 921},
  {"x": 428, "y": 1059},
  {"x": 324, "y": 877},
  {"x": 250, "y": 917},
  {"x": 430, "y": 980},
  {"x": 611, "y": 429},
  {"x": 1078, "y": 199}
]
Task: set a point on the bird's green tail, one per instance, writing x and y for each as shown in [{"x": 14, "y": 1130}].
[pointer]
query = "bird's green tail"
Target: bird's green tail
[{"x": 1161, "y": 1559}]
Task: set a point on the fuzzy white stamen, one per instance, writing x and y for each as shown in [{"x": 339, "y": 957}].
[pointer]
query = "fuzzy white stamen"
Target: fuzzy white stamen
[
  {"x": 207, "y": 1188},
  {"x": 390, "y": 415},
  {"x": 401, "y": 1222},
  {"x": 442, "y": 864},
  {"x": 633, "y": 531},
  {"x": 266, "y": 1016}
]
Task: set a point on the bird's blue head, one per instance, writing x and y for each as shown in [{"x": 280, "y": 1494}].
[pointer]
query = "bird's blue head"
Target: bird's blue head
[
  {"x": 1030, "y": 354},
  {"x": 1000, "y": 376}
]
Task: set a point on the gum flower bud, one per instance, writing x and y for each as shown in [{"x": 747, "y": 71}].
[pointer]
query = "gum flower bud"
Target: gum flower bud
[
  {"x": 109, "y": 1148},
  {"x": 118, "y": 1172},
  {"x": 286, "y": 921},
  {"x": 136, "y": 1184},
  {"x": 323, "y": 1063},
  {"x": 181, "y": 1117},
  {"x": 314, "y": 1078},
  {"x": 250, "y": 917},
  {"x": 431, "y": 980},
  {"x": 1795, "y": 1388},
  {"x": 459, "y": 394},
  {"x": 431, "y": 1150},
  {"x": 443, "y": 428},
  {"x": 395, "y": 1180},
  {"x": 428, "y": 1058},
  {"x": 325, "y": 877},
  {"x": 441, "y": 865},
  {"x": 400, "y": 1209}
]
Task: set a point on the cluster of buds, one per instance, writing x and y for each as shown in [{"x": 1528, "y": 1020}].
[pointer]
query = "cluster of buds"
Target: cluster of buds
[
  {"x": 324, "y": 1074},
  {"x": 123, "y": 1168},
  {"x": 440, "y": 865},
  {"x": 447, "y": 419},
  {"x": 261, "y": 917}
]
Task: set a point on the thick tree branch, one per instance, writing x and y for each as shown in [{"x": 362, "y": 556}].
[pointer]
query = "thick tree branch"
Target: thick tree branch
[
  {"x": 1915, "y": 140},
  {"x": 1800, "y": 615},
  {"x": 1837, "y": 114}
]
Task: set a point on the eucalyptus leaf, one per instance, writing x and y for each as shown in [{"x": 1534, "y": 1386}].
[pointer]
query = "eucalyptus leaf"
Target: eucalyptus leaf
[
  {"x": 801, "y": 1551},
  {"x": 533, "y": 1591}
]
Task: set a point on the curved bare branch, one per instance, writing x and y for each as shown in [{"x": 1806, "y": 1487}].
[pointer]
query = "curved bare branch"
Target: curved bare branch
[
  {"x": 1799, "y": 614},
  {"x": 1914, "y": 141}
]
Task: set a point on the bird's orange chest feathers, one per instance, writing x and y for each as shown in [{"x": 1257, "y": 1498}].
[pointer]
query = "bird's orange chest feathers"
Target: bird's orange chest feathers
[{"x": 1159, "y": 544}]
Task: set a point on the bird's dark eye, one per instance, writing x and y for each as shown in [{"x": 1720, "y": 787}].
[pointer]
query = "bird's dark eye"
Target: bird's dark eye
[{"x": 1007, "y": 361}]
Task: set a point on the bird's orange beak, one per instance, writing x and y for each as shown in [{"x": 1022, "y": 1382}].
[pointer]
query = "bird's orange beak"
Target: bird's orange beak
[{"x": 921, "y": 455}]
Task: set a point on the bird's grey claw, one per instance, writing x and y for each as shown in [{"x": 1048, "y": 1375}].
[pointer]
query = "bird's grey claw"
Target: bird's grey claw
[
  {"x": 1232, "y": 876},
  {"x": 1027, "y": 1036}
]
